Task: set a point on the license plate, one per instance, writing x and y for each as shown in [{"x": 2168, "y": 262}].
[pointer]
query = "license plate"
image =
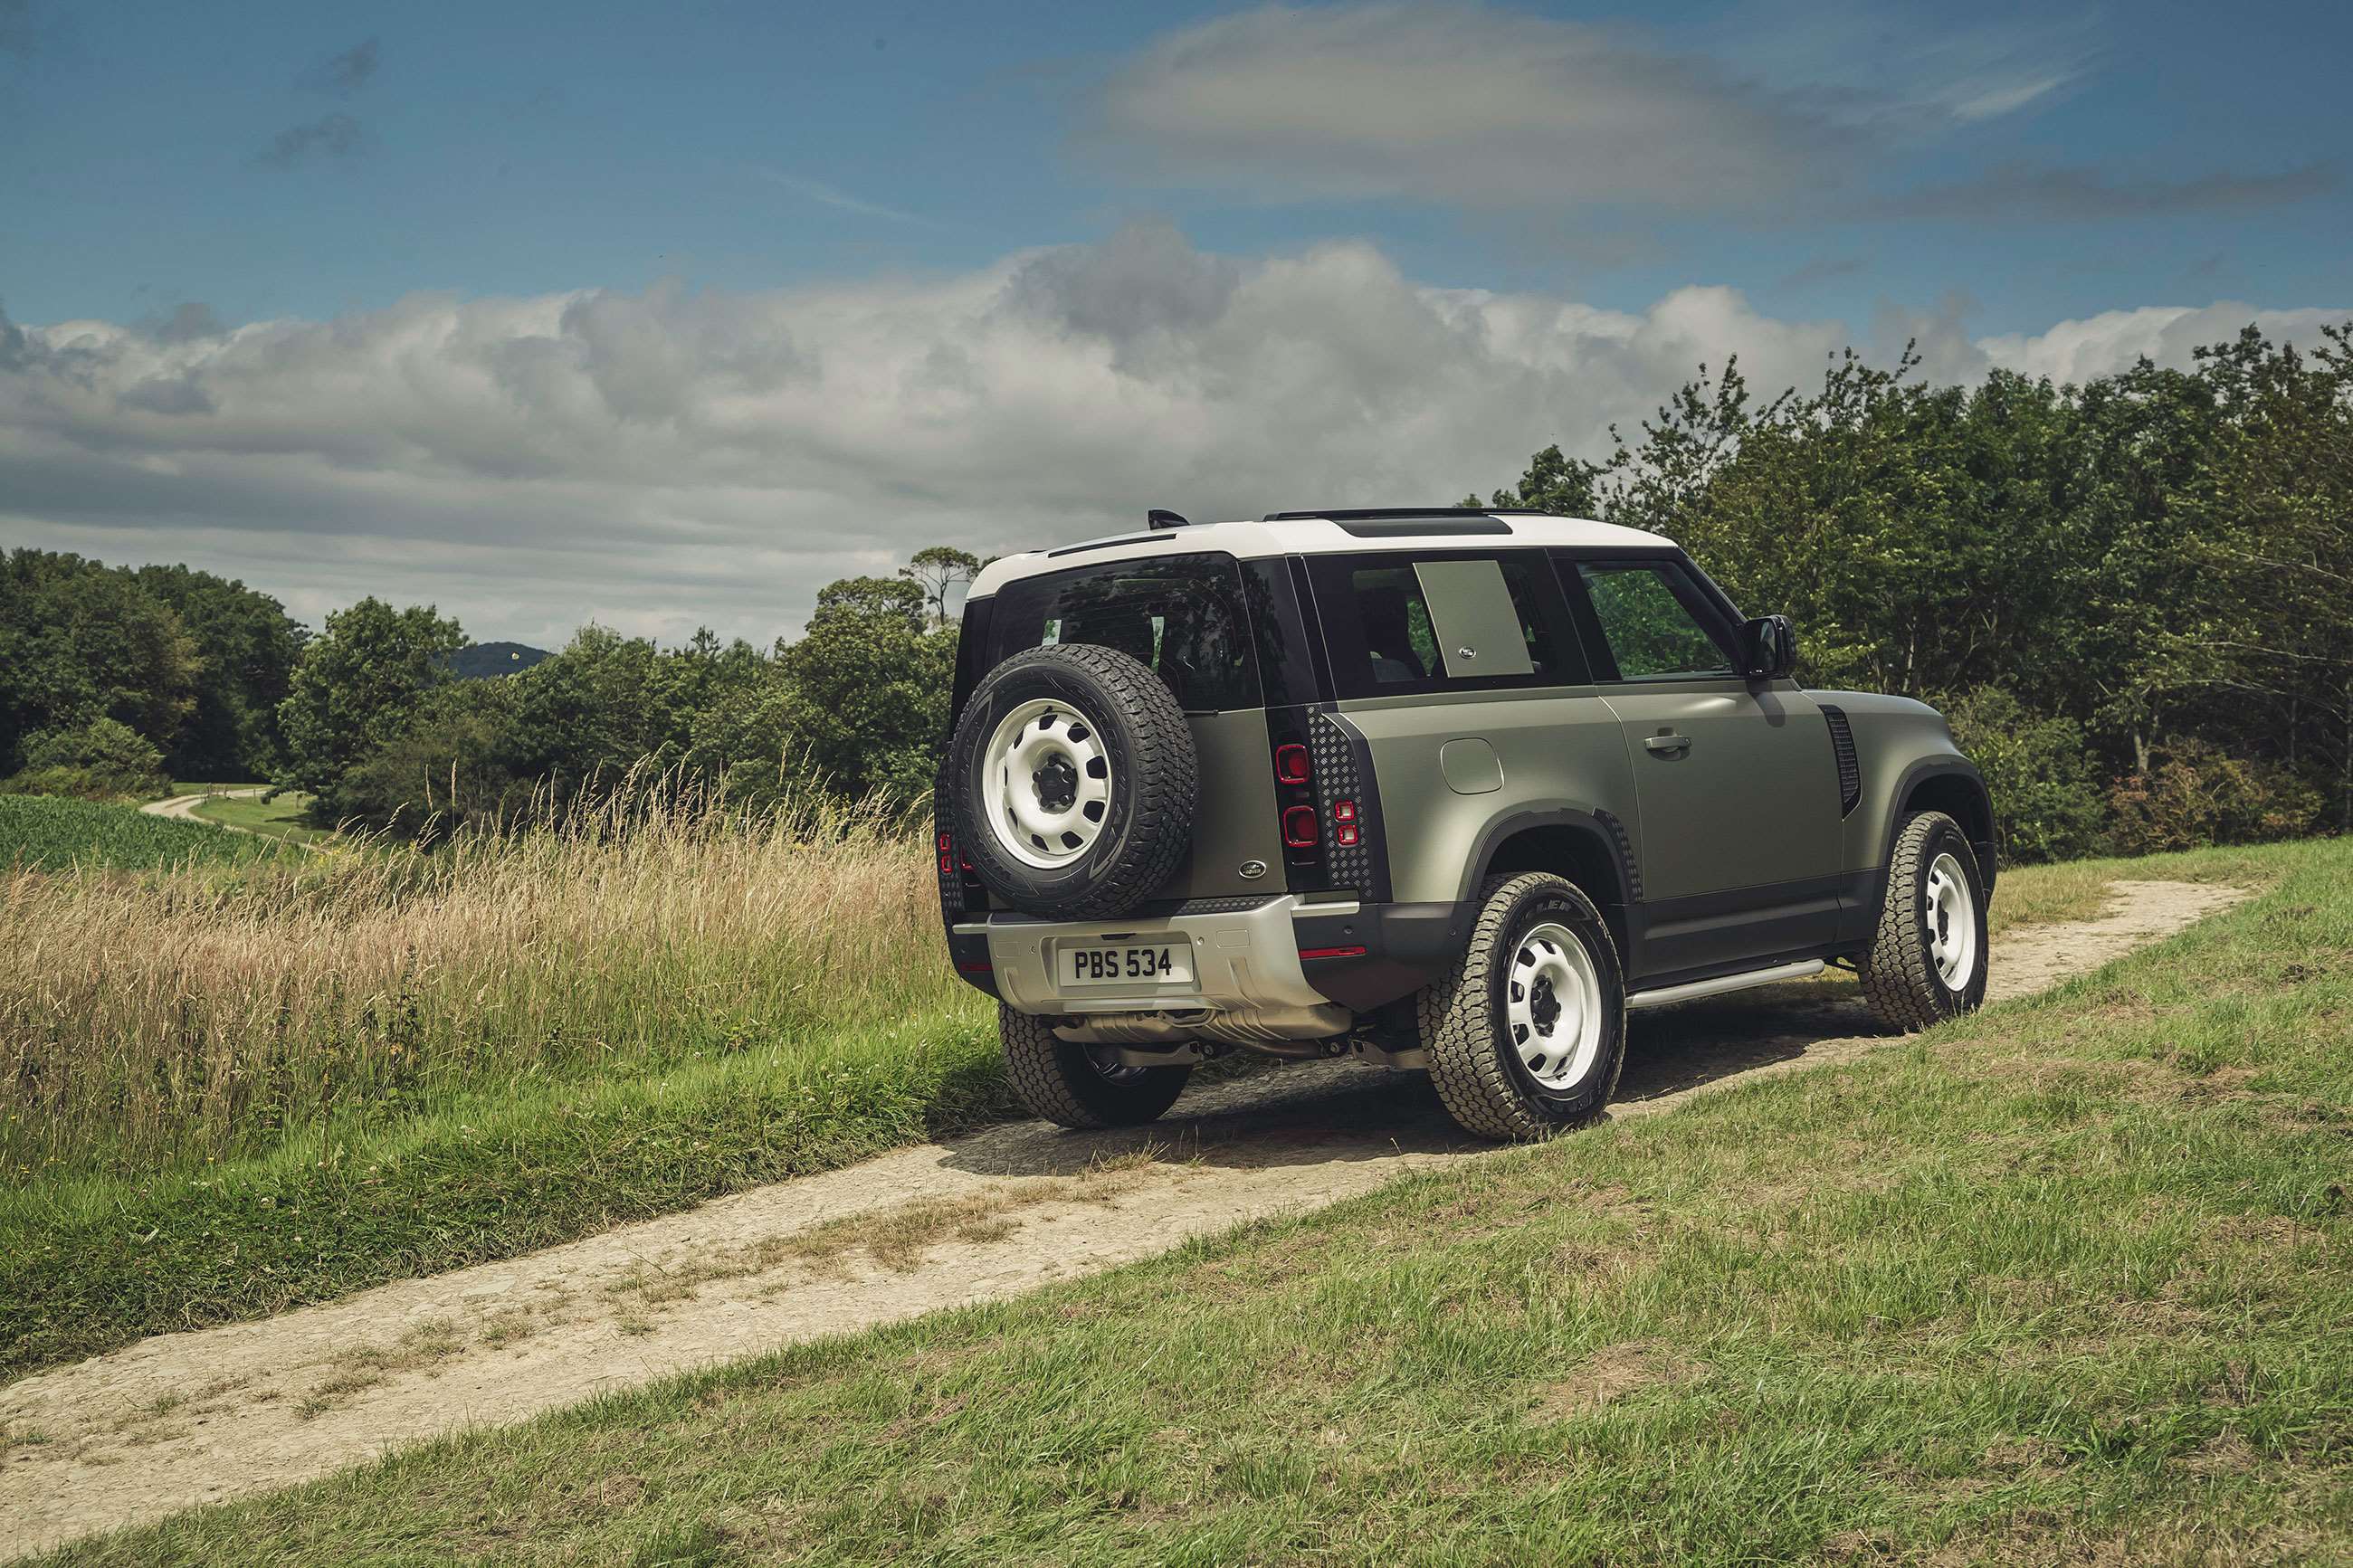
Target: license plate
[{"x": 1140, "y": 963}]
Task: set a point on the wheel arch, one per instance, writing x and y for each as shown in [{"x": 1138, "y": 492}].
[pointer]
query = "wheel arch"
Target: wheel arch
[
  {"x": 1590, "y": 848},
  {"x": 1953, "y": 786}
]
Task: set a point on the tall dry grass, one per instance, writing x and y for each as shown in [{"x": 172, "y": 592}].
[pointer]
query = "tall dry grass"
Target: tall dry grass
[{"x": 151, "y": 1020}]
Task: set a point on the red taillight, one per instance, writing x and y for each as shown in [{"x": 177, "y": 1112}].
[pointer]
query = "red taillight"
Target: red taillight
[
  {"x": 1291, "y": 762},
  {"x": 1345, "y": 836},
  {"x": 1299, "y": 829},
  {"x": 947, "y": 854},
  {"x": 1331, "y": 952},
  {"x": 1344, "y": 811}
]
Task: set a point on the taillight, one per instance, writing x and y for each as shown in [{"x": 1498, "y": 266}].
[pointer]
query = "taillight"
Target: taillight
[
  {"x": 1299, "y": 828},
  {"x": 1291, "y": 763},
  {"x": 947, "y": 854}
]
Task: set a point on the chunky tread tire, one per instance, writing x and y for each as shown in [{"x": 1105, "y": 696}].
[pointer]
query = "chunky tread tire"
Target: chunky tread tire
[
  {"x": 1057, "y": 1081},
  {"x": 1478, "y": 1079},
  {"x": 1899, "y": 979},
  {"x": 1155, "y": 782}
]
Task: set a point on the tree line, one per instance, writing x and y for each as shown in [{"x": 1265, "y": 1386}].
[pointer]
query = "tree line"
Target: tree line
[
  {"x": 2133, "y": 597},
  {"x": 113, "y": 679},
  {"x": 380, "y": 731}
]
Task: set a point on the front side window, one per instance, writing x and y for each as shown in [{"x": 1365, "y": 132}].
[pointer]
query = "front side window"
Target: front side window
[
  {"x": 1652, "y": 619},
  {"x": 1181, "y": 616}
]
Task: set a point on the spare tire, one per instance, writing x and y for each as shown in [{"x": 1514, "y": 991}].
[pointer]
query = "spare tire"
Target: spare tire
[{"x": 1071, "y": 777}]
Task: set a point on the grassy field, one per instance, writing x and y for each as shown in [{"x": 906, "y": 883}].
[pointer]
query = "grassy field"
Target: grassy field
[
  {"x": 278, "y": 818},
  {"x": 53, "y": 834},
  {"x": 226, "y": 1092},
  {"x": 2064, "y": 1282}
]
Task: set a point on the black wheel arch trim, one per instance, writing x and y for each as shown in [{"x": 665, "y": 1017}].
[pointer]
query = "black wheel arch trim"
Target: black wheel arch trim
[
  {"x": 1921, "y": 771},
  {"x": 1598, "y": 825}
]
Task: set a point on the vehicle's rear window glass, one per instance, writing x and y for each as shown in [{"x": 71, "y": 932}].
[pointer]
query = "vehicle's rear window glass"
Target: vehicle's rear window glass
[
  {"x": 1181, "y": 616},
  {"x": 1385, "y": 641}
]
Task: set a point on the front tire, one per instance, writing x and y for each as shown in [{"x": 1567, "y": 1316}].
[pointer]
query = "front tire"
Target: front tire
[
  {"x": 1928, "y": 959},
  {"x": 1527, "y": 1033},
  {"x": 1071, "y": 1086}
]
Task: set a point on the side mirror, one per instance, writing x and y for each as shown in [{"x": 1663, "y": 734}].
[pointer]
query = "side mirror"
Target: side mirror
[{"x": 1768, "y": 647}]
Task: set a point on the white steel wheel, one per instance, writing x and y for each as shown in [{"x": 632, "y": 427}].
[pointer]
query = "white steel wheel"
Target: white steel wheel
[
  {"x": 1046, "y": 783},
  {"x": 1553, "y": 1006},
  {"x": 1951, "y": 914}
]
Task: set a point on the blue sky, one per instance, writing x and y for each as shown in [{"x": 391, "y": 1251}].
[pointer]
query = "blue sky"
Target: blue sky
[
  {"x": 519, "y": 149},
  {"x": 264, "y": 209}
]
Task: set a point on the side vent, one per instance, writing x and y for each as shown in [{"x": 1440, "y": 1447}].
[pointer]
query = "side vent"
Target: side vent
[{"x": 1850, "y": 770}]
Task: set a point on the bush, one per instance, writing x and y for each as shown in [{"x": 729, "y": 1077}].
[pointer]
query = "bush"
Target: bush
[
  {"x": 2046, "y": 792},
  {"x": 2200, "y": 795},
  {"x": 103, "y": 760}
]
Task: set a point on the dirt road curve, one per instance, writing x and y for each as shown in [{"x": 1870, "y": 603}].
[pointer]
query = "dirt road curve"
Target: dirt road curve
[
  {"x": 183, "y": 806},
  {"x": 194, "y": 1417}
]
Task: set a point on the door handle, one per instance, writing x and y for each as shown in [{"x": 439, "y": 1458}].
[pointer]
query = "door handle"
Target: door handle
[{"x": 1666, "y": 745}]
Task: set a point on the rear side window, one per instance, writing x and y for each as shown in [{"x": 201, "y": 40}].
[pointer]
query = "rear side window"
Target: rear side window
[
  {"x": 1181, "y": 616},
  {"x": 1399, "y": 626},
  {"x": 1655, "y": 621}
]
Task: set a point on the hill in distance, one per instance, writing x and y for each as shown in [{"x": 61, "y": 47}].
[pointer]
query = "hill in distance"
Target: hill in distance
[{"x": 488, "y": 660}]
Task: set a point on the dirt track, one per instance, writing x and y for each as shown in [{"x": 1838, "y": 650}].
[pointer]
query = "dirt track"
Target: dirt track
[{"x": 196, "y": 1417}]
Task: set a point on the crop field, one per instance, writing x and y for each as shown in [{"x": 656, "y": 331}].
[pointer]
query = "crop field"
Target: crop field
[{"x": 52, "y": 834}]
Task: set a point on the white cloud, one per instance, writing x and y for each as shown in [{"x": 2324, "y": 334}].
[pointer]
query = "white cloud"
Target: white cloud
[
  {"x": 1459, "y": 103},
  {"x": 2077, "y": 350},
  {"x": 1466, "y": 104},
  {"x": 662, "y": 460}
]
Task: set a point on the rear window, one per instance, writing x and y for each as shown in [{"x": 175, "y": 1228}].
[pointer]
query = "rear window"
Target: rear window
[
  {"x": 1399, "y": 626},
  {"x": 1181, "y": 616}
]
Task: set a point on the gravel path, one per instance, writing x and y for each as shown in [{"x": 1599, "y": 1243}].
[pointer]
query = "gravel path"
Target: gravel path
[
  {"x": 201, "y": 1416},
  {"x": 183, "y": 806}
]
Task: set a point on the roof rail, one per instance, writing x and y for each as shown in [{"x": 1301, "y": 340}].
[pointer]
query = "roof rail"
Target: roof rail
[{"x": 1373, "y": 513}]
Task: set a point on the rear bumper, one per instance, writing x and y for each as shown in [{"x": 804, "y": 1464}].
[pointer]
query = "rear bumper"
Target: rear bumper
[{"x": 1266, "y": 956}]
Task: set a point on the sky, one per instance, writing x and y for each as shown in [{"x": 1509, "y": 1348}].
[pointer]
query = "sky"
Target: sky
[{"x": 664, "y": 316}]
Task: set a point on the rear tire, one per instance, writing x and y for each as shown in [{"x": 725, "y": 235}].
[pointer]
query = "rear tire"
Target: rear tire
[
  {"x": 1928, "y": 959},
  {"x": 1527, "y": 1033},
  {"x": 1068, "y": 1084}
]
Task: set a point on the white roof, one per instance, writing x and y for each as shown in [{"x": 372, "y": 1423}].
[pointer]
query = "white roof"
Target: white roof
[{"x": 1304, "y": 536}]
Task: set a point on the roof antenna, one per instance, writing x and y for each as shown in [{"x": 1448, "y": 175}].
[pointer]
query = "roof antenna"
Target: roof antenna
[{"x": 1157, "y": 518}]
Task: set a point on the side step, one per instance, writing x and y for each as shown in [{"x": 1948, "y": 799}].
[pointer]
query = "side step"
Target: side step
[{"x": 1666, "y": 994}]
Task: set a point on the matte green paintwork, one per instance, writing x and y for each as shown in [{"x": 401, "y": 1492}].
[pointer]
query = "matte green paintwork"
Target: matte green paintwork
[
  {"x": 1559, "y": 748},
  {"x": 1751, "y": 800},
  {"x": 1234, "y": 819}
]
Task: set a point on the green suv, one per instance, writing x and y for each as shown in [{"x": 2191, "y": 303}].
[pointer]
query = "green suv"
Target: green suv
[{"x": 1447, "y": 790}]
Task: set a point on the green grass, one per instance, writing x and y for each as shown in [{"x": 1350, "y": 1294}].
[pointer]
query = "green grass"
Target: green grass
[
  {"x": 90, "y": 1263},
  {"x": 278, "y": 818},
  {"x": 53, "y": 833},
  {"x": 2067, "y": 1281},
  {"x": 488, "y": 1155},
  {"x": 184, "y": 787}
]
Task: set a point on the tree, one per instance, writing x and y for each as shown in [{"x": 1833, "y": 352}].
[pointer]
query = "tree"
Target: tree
[
  {"x": 247, "y": 644},
  {"x": 102, "y": 761},
  {"x": 79, "y": 643},
  {"x": 357, "y": 687},
  {"x": 939, "y": 568},
  {"x": 1563, "y": 486},
  {"x": 869, "y": 688}
]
